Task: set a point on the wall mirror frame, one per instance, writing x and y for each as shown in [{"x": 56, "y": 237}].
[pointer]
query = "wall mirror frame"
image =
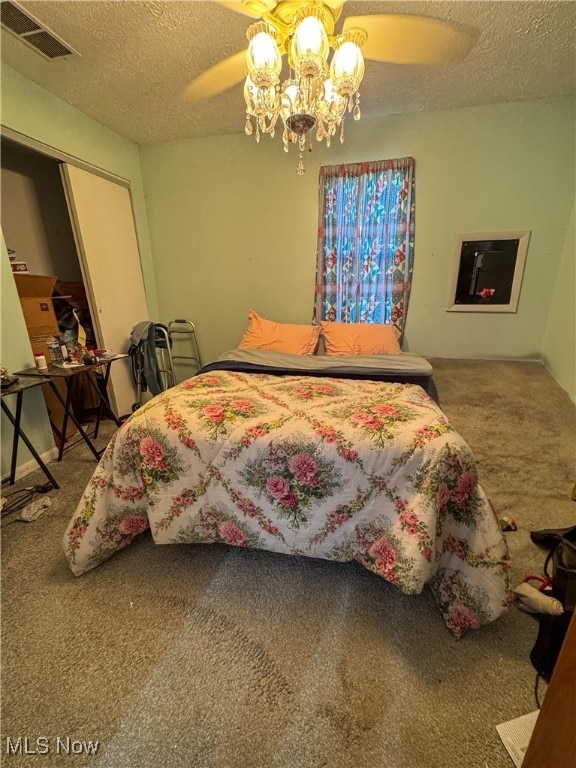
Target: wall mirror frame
[{"x": 488, "y": 270}]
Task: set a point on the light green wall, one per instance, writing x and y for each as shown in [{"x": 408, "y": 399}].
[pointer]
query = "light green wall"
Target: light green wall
[
  {"x": 233, "y": 227},
  {"x": 559, "y": 351},
  {"x": 34, "y": 112}
]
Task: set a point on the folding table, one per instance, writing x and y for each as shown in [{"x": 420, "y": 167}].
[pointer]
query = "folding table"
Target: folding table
[
  {"x": 18, "y": 389},
  {"x": 67, "y": 374}
]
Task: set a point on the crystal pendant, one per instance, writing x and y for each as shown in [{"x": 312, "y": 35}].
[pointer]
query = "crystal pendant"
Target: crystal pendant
[
  {"x": 248, "y": 127},
  {"x": 300, "y": 170},
  {"x": 356, "y": 112},
  {"x": 257, "y": 134},
  {"x": 342, "y": 132}
]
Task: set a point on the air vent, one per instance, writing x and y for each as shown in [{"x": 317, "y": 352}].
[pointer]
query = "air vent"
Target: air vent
[
  {"x": 16, "y": 21},
  {"x": 29, "y": 30},
  {"x": 48, "y": 45}
]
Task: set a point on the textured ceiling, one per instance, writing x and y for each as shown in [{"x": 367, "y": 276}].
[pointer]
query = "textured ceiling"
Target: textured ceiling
[{"x": 136, "y": 58}]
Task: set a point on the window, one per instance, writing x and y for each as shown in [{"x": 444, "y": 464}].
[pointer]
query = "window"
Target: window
[{"x": 365, "y": 242}]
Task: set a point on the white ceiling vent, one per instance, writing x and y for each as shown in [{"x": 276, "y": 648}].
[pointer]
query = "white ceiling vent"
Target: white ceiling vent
[{"x": 32, "y": 32}]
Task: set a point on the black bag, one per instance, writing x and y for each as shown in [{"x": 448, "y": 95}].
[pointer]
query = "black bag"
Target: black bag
[
  {"x": 563, "y": 558},
  {"x": 552, "y": 629},
  {"x": 551, "y": 633}
]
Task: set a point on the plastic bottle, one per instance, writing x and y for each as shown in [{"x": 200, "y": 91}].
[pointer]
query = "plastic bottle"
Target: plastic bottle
[
  {"x": 40, "y": 361},
  {"x": 53, "y": 345}
]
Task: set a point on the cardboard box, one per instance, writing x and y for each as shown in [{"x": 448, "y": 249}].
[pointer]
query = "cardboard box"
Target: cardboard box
[
  {"x": 34, "y": 285},
  {"x": 35, "y": 293}
]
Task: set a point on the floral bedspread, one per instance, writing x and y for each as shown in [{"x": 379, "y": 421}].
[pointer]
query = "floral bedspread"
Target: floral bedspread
[{"x": 329, "y": 468}]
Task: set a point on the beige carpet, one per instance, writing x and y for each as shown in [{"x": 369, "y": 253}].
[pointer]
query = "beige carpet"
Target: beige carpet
[{"x": 214, "y": 657}]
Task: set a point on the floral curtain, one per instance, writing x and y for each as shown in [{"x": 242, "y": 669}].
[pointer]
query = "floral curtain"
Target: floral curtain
[{"x": 365, "y": 242}]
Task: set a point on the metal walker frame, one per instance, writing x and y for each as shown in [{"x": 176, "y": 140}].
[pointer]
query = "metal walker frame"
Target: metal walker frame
[{"x": 163, "y": 347}]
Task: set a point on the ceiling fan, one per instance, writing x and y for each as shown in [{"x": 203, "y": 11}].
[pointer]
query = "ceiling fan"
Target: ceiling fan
[
  {"x": 315, "y": 93},
  {"x": 391, "y": 38}
]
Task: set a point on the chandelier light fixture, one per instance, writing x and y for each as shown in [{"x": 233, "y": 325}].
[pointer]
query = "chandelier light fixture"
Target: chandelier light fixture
[
  {"x": 317, "y": 93},
  {"x": 302, "y": 78}
]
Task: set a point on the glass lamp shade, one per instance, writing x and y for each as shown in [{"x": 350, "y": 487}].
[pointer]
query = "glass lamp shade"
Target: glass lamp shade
[
  {"x": 294, "y": 110},
  {"x": 310, "y": 38},
  {"x": 290, "y": 98},
  {"x": 330, "y": 110},
  {"x": 263, "y": 58},
  {"x": 260, "y": 102},
  {"x": 347, "y": 67},
  {"x": 332, "y": 103}
]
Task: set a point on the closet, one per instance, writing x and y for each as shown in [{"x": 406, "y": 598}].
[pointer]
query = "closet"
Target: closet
[{"x": 65, "y": 221}]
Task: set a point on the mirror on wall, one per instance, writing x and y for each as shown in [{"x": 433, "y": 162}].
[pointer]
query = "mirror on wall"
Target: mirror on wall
[{"x": 487, "y": 273}]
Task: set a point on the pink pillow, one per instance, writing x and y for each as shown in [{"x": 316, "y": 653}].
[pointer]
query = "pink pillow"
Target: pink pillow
[
  {"x": 280, "y": 337},
  {"x": 360, "y": 338}
]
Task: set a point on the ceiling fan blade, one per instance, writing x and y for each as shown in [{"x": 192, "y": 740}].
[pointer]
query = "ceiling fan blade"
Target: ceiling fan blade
[
  {"x": 218, "y": 78},
  {"x": 253, "y": 8},
  {"x": 405, "y": 39}
]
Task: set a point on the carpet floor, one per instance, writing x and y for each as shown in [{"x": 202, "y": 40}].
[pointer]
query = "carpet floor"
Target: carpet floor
[{"x": 218, "y": 657}]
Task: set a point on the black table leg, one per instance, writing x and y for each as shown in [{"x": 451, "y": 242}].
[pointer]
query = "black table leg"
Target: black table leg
[
  {"x": 69, "y": 414},
  {"x": 19, "y": 432},
  {"x": 103, "y": 399},
  {"x": 16, "y": 435}
]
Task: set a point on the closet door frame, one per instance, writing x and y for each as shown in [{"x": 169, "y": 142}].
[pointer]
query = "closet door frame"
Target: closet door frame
[
  {"x": 63, "y": 157},
  {"x": 56, "y": 154}
]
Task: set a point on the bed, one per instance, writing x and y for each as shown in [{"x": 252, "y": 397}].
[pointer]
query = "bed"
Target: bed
[
  {"x": 400, "y": 368},
  {"x": 309, "y": 459}
]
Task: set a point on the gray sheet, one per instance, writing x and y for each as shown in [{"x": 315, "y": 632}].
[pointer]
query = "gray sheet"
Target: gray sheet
[{"x": 404, "y": 363}]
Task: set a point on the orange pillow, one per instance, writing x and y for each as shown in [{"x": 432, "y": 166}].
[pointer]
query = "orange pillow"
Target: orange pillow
[
  {"x": 360, "y": 338},
  {"x": 280, "y": 337}
]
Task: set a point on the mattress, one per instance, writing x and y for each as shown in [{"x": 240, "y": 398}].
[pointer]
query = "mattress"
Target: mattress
[{"x": 403, "y": 368}]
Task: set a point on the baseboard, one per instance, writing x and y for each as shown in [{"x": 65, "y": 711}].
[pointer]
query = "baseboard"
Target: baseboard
[{"x": 31, "y": 466}]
